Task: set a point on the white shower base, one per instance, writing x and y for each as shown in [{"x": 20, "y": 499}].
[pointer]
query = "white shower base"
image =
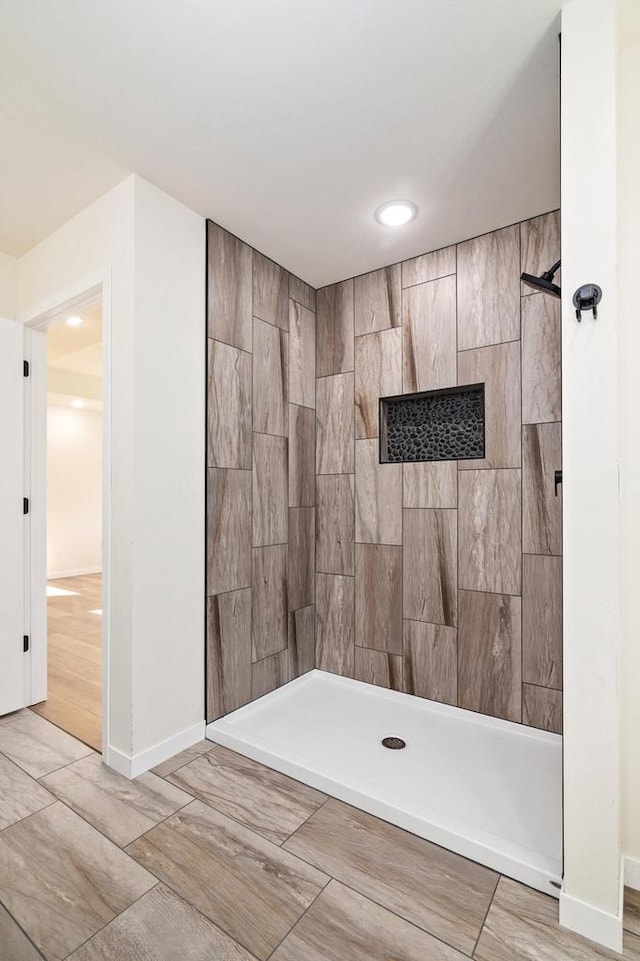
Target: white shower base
[{"x": 488, "y": 789}]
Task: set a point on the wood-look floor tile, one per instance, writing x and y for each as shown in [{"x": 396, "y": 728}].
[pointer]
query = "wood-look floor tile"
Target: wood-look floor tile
[
  {"x": 379, "y": 597},
  {"x": 229, "y": 406},
  {"x": 430, "y": 661},
  {"x": 522, "y": 925},
  {"x": 490, "y": 654},
  {"x": 269, "y": 803},
  {"x": 334, "y": 329},
  {"x": 270, "y": 673},
  {"x": 335, "y": 609},
  {"x": 430, "y": 484},
  {"x": 270, "y": 379},
  {"x": 430, "y": 589},
  {"x": 269, "y": 621},
  {"x": 120, "y": 808},
  {"x": 431, "y": 266},
  {"x": 498, "y": 368},
  {"x": 301, "y": 561},
  {"x": 541, "y": 508},
  {"x": 228, "y": 652},
  {"x": 63, "y": 881},
  {"x": 270, "y": 488},
  {"x": 252, "y": 889},
  {"x": 379, "y": 668},
  {"x": 302, "y": 640},
  {"x": 335, "y": 527},
  {"x": 542, "y": 620},
  {"x": 541, "y": 359},
  {"x": 37, "y": 746},
  {"x": 378, "y": 497},
  {"x": 160, "y": 927},
  {"x": 302, "y": 457},
  {"x": 20, "y": 795},
  {"x": 183, "y": 757},
  {"x": 489, "y": 538},
  {"x": 378, "y": 364},
  {"x": 540, "y": 247},
  {"x": 16, "y": 946},
  {"x": 438, "y": 891},
  {"x": 270, "y": 291},
  {"x": 542, "y": 708},
  {"x": 489, "y": 289},
  {"x": 228, "y": 530},
  {"x": 80, "y": 723},
  {"x": 335, "y": 424},
  {"x": 14, "y": 715},
  {"x": 229, "y": 288},
  {"x": 378, "y": 300},
  {"x": 632, "y": 911},
  {"x": 343, "y": 924},
  {"x": 429, "y": 325},
  {"x": 302, "y": 355},
  {"x": 301, "y": 292}
]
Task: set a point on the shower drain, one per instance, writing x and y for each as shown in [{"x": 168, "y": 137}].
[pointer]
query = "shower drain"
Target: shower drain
[{"x": 393, "y": 743}]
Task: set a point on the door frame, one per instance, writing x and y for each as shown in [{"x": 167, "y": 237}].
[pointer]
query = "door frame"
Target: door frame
[{"x": 96, "y": 285}]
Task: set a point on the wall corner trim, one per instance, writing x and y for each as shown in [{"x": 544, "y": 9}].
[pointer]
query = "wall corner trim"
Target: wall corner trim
[
  {"x": 631, "y": 871},
  {"x": 132, "y": 766},
  {"x": 591, "y": 922}
]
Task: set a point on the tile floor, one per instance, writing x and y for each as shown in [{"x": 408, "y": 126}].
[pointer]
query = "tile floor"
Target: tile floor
[{"x": 212, "y": 857}]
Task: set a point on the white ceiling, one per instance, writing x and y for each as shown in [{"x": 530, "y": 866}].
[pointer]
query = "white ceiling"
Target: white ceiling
[{"x": 287, "y": 121}]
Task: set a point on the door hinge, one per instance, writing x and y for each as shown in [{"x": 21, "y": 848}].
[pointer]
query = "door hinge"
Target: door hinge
[
  {"x": 25, "y": 505},
  {"x": 25, "y": 368},
  {"x": 25, "y": 643}
]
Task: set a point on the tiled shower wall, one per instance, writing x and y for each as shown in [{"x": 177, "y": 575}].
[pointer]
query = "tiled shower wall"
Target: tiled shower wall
[
  {"x": 260, "y": 474},
  {"x": 444, "y": 579}
]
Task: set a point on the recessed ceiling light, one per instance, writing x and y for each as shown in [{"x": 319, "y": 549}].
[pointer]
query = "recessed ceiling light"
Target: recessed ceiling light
[
  {"x": 74, "y": 321},
  {"x": 77, "y": 403},
  {"x": 396, "y": 213}
]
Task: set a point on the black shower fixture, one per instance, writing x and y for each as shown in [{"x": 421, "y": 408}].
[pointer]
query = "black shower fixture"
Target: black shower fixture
[{"x": 545, "y": 281}]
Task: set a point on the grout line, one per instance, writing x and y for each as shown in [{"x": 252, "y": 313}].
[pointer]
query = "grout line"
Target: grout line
[
  {"x": 111, "y": 920},
  {"x": 25, "y": 932},
  {"x": 482, "y": 926}
]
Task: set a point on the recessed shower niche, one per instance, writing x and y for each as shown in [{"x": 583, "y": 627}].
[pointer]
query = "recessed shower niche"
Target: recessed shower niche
[{"x": 433, "y": 425}]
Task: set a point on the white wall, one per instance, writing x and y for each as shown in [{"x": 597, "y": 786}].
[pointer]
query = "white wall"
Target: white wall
[
  {"x": 74, "y": 491},
  {"x": 590, "y": 901},
  {"x": 8, "y": 277}
]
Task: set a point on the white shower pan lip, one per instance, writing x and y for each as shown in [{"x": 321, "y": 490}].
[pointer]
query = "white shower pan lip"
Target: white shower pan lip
[{"x": 487, "y": 789}]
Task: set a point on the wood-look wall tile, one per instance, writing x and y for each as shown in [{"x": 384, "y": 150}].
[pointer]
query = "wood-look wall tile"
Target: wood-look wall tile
[
  {"x": 378, "y": 300},
  {"x": 542, "y": 510},
  {"x": 430, "y": 566},
  {"x": 498, "y": 368},
  {"x": 335, "y": 424},
  {"x": 270, "y": 489},
  {"x": 269, "y": 627},
  {"x": 489, "y": 654},
  {"x": 302, "y": 456},
  {"x": 430, "y": 484},
  {"x": 430, "y": 661},
  {"x": 302, "y": 293},
  {"x": 379, "y": 668},
  {"x": 379, "y": 597},
  {"x": 302, "y": 640},
  {"x": 270, "y": 379},
  {"x": 378, "y": 497},
  {"x": 270, "y": 673},
  {"x": 229, "y": 288},
  {"x": 431, "y": 266},
  {"x": 541, "y": 359},
  {"x": 335, "y": 523},
  {"x": 301, "y": 556},
  {"x": 378, "y": 374},
  {"x": 542, "y": 620},
  {"x": 302, "y": 355},
  {"x": 228, "y": 652},
  {"x": 429, "y": 325},
  {"x": 540, "y": 246},
  {"x": 335, "y": 624},
  {"x": 229, "y": 406},
  {"x": 228, "y": 530},
  {"x": 489, "y": 289},
  {"x": 489, "y": 538},
  {"x": 334, "y": 329},
  {"x": 270, "y": 291},
  {"x": 542, "y": 708}
]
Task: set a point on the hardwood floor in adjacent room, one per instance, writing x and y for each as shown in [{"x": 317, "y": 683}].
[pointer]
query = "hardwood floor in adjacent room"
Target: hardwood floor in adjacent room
[{"x": 74, "y": 622}]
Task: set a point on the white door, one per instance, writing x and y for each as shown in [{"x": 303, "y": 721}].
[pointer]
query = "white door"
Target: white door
[{"x": 13, "y": 661}]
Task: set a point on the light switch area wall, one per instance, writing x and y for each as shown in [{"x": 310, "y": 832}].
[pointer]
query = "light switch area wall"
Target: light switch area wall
[{"x": 74, "y": 491}]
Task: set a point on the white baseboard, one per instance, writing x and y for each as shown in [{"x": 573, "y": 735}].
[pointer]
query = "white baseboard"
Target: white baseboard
[
  {"x": 131, "y": 767},
  {"x": 631, "y": 868},
  {"x": 75, "y": 573},
  {"x": 591, "y": 922}
]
